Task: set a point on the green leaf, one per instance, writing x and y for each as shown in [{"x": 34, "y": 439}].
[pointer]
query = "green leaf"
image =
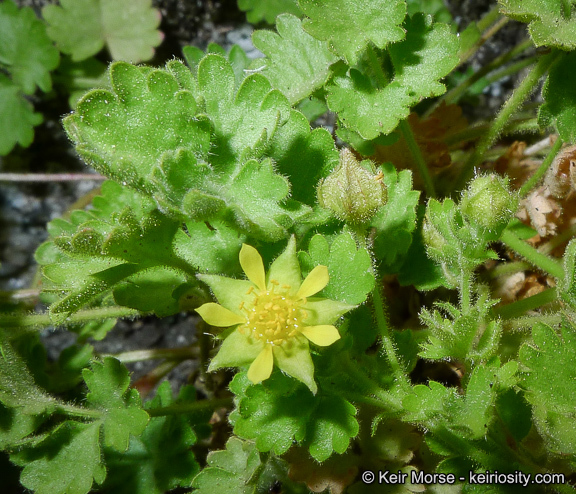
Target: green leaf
[
  {"x": 243, "y": 121},
  {"x": 268, "y": 10},
  {"x": 230, "y": 470},
  {"x": 350, "y": 26},
  {"x": 15, "y": 425},
  {"x": 427, "y": 402},
  {"x": 17, "y": 117},
  {"x": 550, "y": 384},
  {"x": 303, "y": 156},
  {"x": 436, "y": 8},
  {"x": 161, "y": 458},
  {"x": 473, "y": 336},
  {"x": 349, "y": 267},
  {"x": 17, "y": 386},
  {"x": 370, "y": 106},
  {"x": 282, "y": 410},
  {"x": 25, "y": 49},
  {"x": 108, "y": 382},
  {"x": 111, "y": 24},
  {"x": 67, "y": 461},
  {"x": 297, "y": 64},
  {"x": 551, "y": 21},
  {"x": 429, "y": 53},
  {"x": 560, "y": 98},
  {"x": 396, "y": 220},
  {"x": 124, "y": 134}
]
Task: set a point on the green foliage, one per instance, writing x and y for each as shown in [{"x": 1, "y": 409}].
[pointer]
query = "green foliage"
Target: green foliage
[
  {"x": 268, "y": 10},
  {"x": 161, "y": 458},
  {"x": 282, "y": 410},
  {"x": 551, "y": 21},
  {"x": 549, "y": 382},
  {"x": 351, "y": 281},
  {"x": 108, "y": 383},
  {"x": 111, "y": 25},
  {"x": 560, "y": 98},
  {"x": 308, "y": 58},
  {"x": 27, "y": 55},
  {"x": 350, "y": 27}
]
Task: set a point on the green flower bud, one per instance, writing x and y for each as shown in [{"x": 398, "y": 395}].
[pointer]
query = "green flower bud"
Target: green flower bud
[
  {"x": 489, "y": 203},
  {"x": 352, "y": 192}
]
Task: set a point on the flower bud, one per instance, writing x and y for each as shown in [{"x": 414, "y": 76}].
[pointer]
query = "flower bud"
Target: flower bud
[
  {"x": 489, "y": 203},
  {"x": 352, "y": 192}
]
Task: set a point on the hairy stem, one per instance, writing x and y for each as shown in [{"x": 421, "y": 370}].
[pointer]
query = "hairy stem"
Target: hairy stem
[
  {"x": 534, "y": 257},
  {"x": 542, "y": 169},
  {"x": 520, "y": 307},
  {"x": 194, "y": 407},
  {"x": 520, "y": 94}
]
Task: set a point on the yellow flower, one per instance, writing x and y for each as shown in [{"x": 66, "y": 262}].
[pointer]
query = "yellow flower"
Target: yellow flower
[{"x": 276, "y": 317}]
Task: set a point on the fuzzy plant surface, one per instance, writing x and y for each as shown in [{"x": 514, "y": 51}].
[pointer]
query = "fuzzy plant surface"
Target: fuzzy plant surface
[{"x": 385, "y": 306}]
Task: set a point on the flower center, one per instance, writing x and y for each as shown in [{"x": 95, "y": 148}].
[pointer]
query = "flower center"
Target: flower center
[{"x": 275, "y": 316}]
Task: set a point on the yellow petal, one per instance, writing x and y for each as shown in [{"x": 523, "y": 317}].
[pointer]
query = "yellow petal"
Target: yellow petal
[
  {"x": 261, "y": 368},
  {"x": 321, "y": 335},
  {"x": 219, "y": 316},
  {"x": 253, "y": 266},
  {"x": 316, "y": 280}
]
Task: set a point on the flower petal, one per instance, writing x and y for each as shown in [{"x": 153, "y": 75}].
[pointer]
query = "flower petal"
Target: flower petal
[
  {"x": 325, "y": 311},
  {"x": 316, "y": 280},
  {"x": 261, "y": 368},
  {"x": 295, "y": 361},
  {"x": 237, "y": 350},
  {"x": 219, "y": 316},
  {"x": 286, "y": 269},
  {"x": 253, "y": 266},
  {"x": 323, "y": 335}
]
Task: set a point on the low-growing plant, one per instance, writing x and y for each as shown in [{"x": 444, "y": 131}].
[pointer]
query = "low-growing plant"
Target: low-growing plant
[{"x": 396, "y": 299}]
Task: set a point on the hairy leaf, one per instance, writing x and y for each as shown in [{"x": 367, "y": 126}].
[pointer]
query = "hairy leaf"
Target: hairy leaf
[
  {"x": 17, "y": 117},
  {"x": 560, "y": 98},
  {"x": 68, "y": 461},
  {"x": 127, "y": 28},
  {"x": 282, "y": 410},
  {"x": 161, "y": 458},
  {"x": 551, "y": 21},
  {"x": 108, "y": 383},
  {"x": 268, "y": 10},
  {"x": 549, "y": 382},
  {"x": 350, "y": 26},
  {"x": 349, "y": 267},
  {"x": 25, "y": 49},
  {"x": 297, "y": 64}
]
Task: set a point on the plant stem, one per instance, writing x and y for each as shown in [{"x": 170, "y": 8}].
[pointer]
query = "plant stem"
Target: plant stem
[
  {"x": 520, "y": 307},
  {"x": 76, "y": 411},
  {"x": 194, "y": 407},
  {"x": 520, "y": 94},
  {"x": 49, "y": 177},
  {"x": 541, "y": 261},
  {"x": 491, "y": 31},
  {"x": 530, "y": 321},
  {"x": 36, "y": 322},
  {"x": 398, "y": 371},
  {"x": 540, "y": 172},
  {"x": 418, "y": 158}
]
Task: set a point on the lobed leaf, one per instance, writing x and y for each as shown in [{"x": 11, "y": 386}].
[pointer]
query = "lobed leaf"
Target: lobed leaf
[
  {"x": 17, "y": 117},
  {"x": 349, "y": 267},
  {"x": 350, "y": 26},
  {"x": 297, "y": 64},
  {"x": 68, "y": 461},
  {"x": 127, "y": 28},
  {"x": 282, "y": 410},
  {"x": 108, "y": 383},
  {"x": 25, "y": 49},
  {"x": 551, "y": 22},
  {"x": 549, "y": 383}
]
